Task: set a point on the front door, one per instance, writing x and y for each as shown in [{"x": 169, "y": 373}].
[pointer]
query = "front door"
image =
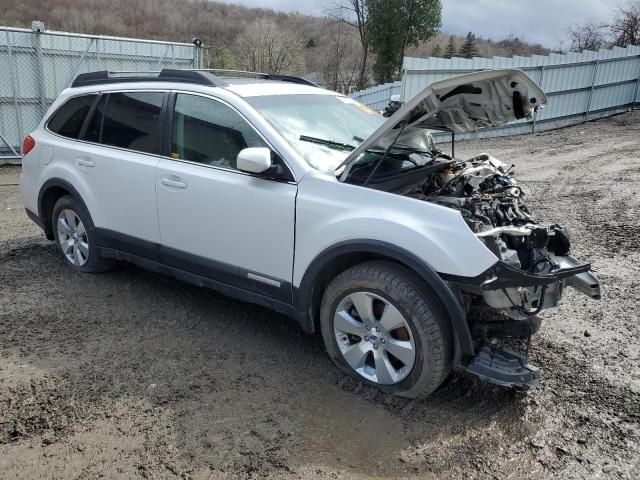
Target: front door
[{"x": 216, "y": 221}]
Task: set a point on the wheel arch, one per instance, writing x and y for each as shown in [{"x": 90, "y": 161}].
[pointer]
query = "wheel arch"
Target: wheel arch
[
  {"x": 48, "y": 195},
  {"x": 336, "y": 259}
]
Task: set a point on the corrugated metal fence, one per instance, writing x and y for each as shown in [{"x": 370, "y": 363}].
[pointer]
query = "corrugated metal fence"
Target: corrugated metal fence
[
  {"x": 378, "y": 97},
  {"x": 580, "y": 86},
  {"x": 36, "y": 67}
]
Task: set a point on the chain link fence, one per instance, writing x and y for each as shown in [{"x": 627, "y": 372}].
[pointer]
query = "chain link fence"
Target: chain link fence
[{"x": 36, "y": 66}]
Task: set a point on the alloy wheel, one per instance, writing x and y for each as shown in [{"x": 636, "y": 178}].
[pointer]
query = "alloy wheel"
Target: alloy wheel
[
  {"x": 374, "y": 338},
  {"x": 72, "y": 237}
]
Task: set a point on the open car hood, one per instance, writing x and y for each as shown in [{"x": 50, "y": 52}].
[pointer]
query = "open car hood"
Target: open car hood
[{"x": 465, "y": 103}]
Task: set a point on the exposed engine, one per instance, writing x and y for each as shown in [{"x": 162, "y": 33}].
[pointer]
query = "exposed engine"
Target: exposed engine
[{"x": 492, "y": 203}]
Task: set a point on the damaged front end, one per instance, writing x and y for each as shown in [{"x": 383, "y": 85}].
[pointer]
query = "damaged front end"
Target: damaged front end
[
  {"x": 533, "y": 270},
  {"x": 534, "y": 264}
]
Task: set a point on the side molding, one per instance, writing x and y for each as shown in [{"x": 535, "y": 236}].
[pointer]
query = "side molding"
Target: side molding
[{"x": 303, "y": 295}]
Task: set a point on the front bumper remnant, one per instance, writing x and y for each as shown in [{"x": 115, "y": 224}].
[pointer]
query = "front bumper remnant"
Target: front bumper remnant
[{"x": 505, "y": 367}]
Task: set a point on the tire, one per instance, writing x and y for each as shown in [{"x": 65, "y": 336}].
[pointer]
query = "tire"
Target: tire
[
  {"x": 74, "y": 234},
  {"x": 384, "y": 290}
]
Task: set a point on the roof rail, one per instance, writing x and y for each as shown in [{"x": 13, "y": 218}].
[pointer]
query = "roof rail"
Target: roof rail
[
  {"x": 197, "y": 76},
  {"x": 264, "y": 76},
  {"x": 165, "y": 75}
]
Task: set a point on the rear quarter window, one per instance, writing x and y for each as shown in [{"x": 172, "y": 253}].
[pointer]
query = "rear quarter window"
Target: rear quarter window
[
  {"x": 69, "y": 118},
  {"x": 132, "y": 120}
]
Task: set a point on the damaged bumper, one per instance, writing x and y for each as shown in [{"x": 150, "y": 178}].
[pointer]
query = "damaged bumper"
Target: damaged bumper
[{"x": 521, "y": 295}]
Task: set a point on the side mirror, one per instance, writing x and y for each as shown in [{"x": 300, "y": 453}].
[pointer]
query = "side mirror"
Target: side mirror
[{"x": 254, "y": 160}]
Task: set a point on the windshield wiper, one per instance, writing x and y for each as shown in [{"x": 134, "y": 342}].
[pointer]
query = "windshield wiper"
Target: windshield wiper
[{"x": 328, "y": 143}]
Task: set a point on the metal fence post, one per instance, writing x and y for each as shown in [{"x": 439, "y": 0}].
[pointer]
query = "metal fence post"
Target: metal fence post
[
  {"x": 634, "y": 100},
  {"x": 535, "y": 112},
  {"x": 77, "y": 67},
  {"x": 42, "y": 98},
  {"x": 161, "y": 59},
  {"x": 593, "y": 83},
  {"x": 14, "y": 88},
  {"x": 97, "y": 53},
  {"x": 196, "y": 63}
]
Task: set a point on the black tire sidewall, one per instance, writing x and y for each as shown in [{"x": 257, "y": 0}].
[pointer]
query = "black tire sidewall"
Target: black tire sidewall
[
  {"x": 422, "y": 319},
  {"x": 94, "y": 263}
]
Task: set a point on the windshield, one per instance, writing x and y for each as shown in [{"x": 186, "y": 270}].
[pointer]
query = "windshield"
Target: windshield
[{"x": 323, "y": 129}]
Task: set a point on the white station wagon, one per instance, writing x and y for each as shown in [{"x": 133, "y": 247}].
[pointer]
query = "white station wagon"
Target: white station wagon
[{"x": 274, "y": 191}]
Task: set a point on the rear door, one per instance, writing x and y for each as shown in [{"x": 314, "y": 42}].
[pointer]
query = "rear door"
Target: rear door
[
  {"x": 119, "y": 162},
  {"x": 216, "y": 221}
]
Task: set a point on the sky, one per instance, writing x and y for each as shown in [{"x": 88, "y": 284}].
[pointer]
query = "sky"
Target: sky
[{"x": 537, "y": 21}]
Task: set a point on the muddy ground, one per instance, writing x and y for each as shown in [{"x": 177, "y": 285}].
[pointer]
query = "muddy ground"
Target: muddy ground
[{"x": 129, "y": 374}]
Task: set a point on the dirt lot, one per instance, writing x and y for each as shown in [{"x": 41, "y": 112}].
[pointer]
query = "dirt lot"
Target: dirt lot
[{"x": 131, "y": 374}]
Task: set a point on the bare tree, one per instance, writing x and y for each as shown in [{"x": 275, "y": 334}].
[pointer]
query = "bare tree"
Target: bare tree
[
  {"x": 266, "y": 47},
  {"x": 587, "y": 36},
  {"x": 356, "y": 14},
  {"x": 340, "y": 57},
  {"x": 625, "y": 29},
  {"x": 513, "y": 45}
]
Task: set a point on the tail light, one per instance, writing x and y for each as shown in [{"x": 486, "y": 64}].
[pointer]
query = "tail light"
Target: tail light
[{"x": 27, "y": 144}]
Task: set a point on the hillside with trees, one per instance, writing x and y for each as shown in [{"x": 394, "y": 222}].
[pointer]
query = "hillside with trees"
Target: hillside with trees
[
  {"x": 356, "y": 42},
  {"x": 622, "y": 31}
]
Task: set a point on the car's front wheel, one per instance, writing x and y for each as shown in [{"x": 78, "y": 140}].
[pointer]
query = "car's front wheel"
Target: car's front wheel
[
  {"x": 74, "y": 234},
  {"x": 383, "y": 327}
]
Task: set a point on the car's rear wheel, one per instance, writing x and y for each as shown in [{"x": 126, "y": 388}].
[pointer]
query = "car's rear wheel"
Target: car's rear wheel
[
  {"x": 74, "y": 234},
  {"x": 382, "y": 326}
]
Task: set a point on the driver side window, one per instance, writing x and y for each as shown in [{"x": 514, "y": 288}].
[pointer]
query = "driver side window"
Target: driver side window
[{"x": 209, "y": 132}]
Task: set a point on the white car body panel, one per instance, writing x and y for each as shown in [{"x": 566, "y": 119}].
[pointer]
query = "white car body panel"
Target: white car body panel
[
  {"x": 330, "y": 212},
  {"x": 228, "y": 217},
  {"x": 122, "y": 199}
]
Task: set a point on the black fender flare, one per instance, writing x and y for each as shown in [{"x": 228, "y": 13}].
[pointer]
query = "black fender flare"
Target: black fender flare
[
  {"x": 463, "y": 344},
  {"x": 60, "y": 183}
]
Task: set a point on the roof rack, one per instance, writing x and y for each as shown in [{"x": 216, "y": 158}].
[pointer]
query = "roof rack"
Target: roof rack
[
  {"x": 165, "y": 75},
  {"x": 196, "y": 76},
  {"x": 263, "y": 76}
]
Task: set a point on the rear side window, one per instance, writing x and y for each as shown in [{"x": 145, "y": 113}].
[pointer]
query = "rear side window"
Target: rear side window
[
  {"x": 131, "y": 120},
  {"x": 68, "y": 120}
]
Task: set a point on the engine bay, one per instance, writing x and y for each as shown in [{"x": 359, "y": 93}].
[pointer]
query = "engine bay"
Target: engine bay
[{"x": 493, "y": 205}]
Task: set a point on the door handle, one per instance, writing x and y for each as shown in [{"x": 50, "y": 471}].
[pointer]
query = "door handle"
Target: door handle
[
  {"x": 167, "y": 182},
  {"x": 81, "y": 162}
]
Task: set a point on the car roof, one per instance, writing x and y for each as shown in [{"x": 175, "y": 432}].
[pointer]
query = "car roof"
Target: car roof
[{"x": 244, "y": 84}]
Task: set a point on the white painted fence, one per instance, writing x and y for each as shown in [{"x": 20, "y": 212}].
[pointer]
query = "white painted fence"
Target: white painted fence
[{"x": 378, "y": 97}]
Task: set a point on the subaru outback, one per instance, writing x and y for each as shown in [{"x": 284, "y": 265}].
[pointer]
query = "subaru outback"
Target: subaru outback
[{"x": 277, "y": 192}]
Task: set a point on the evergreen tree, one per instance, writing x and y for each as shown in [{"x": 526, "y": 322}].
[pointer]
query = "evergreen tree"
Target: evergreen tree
[
  {"x": 450, "y": 51},
  {"x": 224, "y": 59},
  {"x": 311, "y": 43},
  {"x": 394, "y": 25},
  {"x": 436, "y": 51},
  {"x": 469, "y": 48}
]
